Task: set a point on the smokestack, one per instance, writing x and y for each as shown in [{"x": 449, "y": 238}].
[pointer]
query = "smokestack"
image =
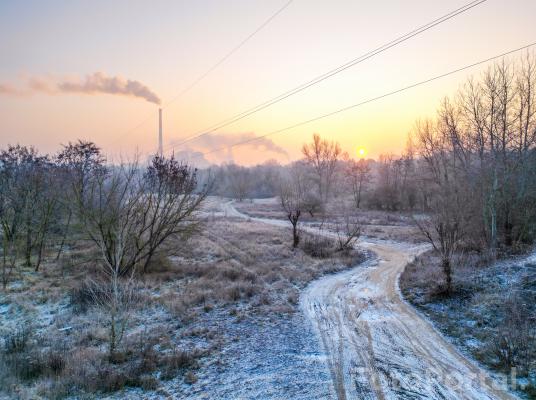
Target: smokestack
[{"x": 160, "y": 147}]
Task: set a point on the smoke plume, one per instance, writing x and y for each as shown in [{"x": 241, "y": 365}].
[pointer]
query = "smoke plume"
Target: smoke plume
[
  {"x": 96, "y": 83},
  {"x": 100, "y": 83},
  {"x": 9, "y": 90}
]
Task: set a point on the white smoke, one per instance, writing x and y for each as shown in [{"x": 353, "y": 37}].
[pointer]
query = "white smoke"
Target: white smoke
[
  {"x": 100, "y": 83},
  {"x": 96, "y": 83},
  {"x": 9, "y": 90}
]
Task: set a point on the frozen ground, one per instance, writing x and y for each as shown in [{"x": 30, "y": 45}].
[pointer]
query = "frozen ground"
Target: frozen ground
[
  {"x": 274, "y": 359},
  {"x": 263, "y": 358},
  {"x": 376, "y": 346},
  {"x": 491, "y": 310},
  {"x": 353, "y": 339}
]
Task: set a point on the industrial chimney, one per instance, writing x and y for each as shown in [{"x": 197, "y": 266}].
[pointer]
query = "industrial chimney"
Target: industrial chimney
[{"x": 160, "y": 147}]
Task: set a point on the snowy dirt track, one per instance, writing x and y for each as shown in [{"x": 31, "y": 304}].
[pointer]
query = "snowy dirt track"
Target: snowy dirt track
[{"x": 376, "y": 345}]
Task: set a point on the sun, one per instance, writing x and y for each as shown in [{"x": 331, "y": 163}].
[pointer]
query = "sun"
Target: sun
[{"x": 361, "y": 152}]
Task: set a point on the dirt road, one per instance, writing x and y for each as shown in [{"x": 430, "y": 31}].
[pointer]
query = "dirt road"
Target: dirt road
[{"x": 376, "y": 345}]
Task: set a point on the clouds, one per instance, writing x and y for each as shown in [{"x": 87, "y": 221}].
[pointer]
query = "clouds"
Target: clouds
[
  {"x": 92, "y": 84},
  {"x": 194, "y": 158},
  {"x": 213, "y": 141},
  {"x": 221, "y": 144}
]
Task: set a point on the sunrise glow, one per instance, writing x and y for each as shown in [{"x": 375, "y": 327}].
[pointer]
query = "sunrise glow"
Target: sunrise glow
[
  {"x": 268, "y": 199},
  {"x": 111, "y": 93}
]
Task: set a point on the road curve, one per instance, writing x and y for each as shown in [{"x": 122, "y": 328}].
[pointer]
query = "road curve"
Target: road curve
[{"x": 376, "y": 345}]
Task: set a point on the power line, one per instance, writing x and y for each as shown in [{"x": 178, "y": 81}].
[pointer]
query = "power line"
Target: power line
[
  {"x": 229, "y": 54},
  {"x": 341, "y": 110},
  {"x": 213, "y": 67},
  {"x": 330, "y": 73}
]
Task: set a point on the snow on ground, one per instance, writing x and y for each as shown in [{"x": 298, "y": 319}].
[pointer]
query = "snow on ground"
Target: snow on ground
[
  {"x": 265, "y": 359},
  {"x": 376, "y": 345},
  {"x": 489, "y": 302},
  {"x": 379, "y": 347},
  {"x": 353, "y": 339}
]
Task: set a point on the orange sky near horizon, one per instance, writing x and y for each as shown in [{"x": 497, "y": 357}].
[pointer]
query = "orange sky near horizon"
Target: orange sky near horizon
[{"x": 166, "y": 45}]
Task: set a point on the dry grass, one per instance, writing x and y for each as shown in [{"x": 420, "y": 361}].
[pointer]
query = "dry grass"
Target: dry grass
[
  {"x": 490, "y": 314},
  {"x": 404, "y": 233},
  {"x": 248, "y": 263},
  {"x": 235, "y": 268},
  {"x": 396, "y": 226}
]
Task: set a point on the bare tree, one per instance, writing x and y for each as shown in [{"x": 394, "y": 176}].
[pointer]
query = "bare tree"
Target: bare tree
[
  {"x": 170, "y": 204},
  {"x": 387, "y": 193},
  {"x": 107, "y": 208},
  {"x": 292, "y": 194},
  {"x": 130, "y": 214},
  {"x": 445, "y": 232},
  {"x": 240, "y": 181},
  {"x": 10, "y": 221},
  {"x": 78, "y": 164},
  {"x": 311, "y": 203},
  {"x": 12, "y": 207},
  {"x": 265, "y": 179},
  {"x": 446, "y": 228},
  {"x": 81, "y": 161},
  {"x": 47, "y": 212},
  {"x": 493, "y": 122},
  {"x": 9, "y": 257},
  {"x": 115, "y": 295},
  {"x": 323, "y": 157},
  {"x": 28, "y": 202},
  {"x": 358, "y": 174},
  {"x": 348, "y": 229}
]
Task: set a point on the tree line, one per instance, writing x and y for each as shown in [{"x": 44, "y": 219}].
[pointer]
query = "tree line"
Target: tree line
[
  {"x": 128, "y": 210},
  {"x": 468, "y": 176},
  {"x": 479, "y": 163}
]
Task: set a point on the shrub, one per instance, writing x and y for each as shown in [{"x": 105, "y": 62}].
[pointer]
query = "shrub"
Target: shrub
[
  {"x": 81, "y": 297},
  {"x": 318, "y": 246},
  {"x": 248, "y": 290},
  {"x": 190, "y": 378},
  {"x": 55, "y": 361},
  {"x": 25, "y": 365},
  {"x": 54, "y": 390},
  {"x": 148, "y": 382},
  {"x": 23, "y": 360},
  {"x": 160, "y": 263},
  {"x": 514, "y": 339},
  {"x": 530, "y": 390},
  {"x": 233, "y": 293},
  {"x": 148, "y": 360},
  {"x": 176, "y": 361},
  {"x": 293, "y": 298},
  {"x": 230, "y": 274},
  {"x": 111, "y": 380},
  {"x": 17, "y": 340}
]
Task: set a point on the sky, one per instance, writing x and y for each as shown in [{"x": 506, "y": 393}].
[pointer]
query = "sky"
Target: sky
[{"x": 96, "y": 70}]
